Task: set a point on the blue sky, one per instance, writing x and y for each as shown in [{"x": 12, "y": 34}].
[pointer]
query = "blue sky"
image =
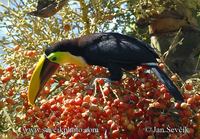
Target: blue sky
[
  {"x": 2, "y": 30},
  {"x": 4, "y": 2}
]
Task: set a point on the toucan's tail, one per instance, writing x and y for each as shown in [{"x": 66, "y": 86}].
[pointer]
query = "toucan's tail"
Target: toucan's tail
[{"x": 173, "y": 90}]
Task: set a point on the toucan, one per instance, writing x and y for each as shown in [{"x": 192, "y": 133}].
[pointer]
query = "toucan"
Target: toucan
[{"x": 114, "y": 51}]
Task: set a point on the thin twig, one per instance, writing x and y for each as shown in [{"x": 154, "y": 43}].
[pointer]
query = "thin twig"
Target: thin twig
[
  {"x": 173, "y": 45},
  {"x": 104, "y": 97},
  {"x": 198, "y": 61}
]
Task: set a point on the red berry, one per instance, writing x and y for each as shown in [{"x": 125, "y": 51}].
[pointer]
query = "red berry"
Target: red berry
[
  {"x": 9, "y": 68},
  {"x": 54, "y": 107},
  {"x": 100, "y": 81},
  {"x": 5, "y": 79},
  {"x": 53, "y": 136},
  {"x": 106, "y": 91},
  {"x": 189, "y": 86},
  {"x": 161, "y": 65}
]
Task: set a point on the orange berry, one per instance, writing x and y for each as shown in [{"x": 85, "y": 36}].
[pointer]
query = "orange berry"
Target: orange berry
[
  {"x": 189, "y": 86},
  {"x": 67, "y": 27}
]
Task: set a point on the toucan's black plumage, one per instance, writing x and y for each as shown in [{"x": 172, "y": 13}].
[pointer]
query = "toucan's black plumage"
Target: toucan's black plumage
[{"x": 116, "y": 52}]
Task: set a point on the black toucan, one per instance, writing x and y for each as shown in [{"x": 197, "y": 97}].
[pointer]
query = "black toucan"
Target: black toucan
[{"x": 114, "y": 51}]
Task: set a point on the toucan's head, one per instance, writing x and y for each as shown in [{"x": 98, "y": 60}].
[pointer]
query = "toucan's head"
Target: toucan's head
[{"x": 59, "y": 54}]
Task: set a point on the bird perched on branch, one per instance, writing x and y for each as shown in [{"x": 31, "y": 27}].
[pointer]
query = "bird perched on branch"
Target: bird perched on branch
[
  {"x": 114, "y": 51},
  {"x": 47, "y": 8}
]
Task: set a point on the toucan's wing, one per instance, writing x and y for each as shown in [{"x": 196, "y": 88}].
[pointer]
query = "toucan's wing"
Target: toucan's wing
[{"x": 117, "y": 48}]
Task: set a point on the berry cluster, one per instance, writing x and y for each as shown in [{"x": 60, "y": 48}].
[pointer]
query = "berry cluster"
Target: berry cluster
[{"x": 125, "y": 109}]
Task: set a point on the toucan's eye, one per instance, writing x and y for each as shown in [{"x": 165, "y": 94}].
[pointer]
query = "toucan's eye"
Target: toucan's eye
[{"x": 54, "y": 59}]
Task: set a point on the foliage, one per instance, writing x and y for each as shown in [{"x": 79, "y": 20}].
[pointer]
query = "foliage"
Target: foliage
[
  {"x": 155, "y": 7},
  {"x": 25, "y": 41}
]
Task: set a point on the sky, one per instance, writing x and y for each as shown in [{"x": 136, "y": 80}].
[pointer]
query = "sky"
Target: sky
[
  {"x": 2, "y": 31},
  {"x": 4, "y": 2}
]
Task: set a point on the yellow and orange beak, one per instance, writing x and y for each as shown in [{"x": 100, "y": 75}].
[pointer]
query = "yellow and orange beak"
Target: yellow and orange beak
[{"x": 43, "y": 71}]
